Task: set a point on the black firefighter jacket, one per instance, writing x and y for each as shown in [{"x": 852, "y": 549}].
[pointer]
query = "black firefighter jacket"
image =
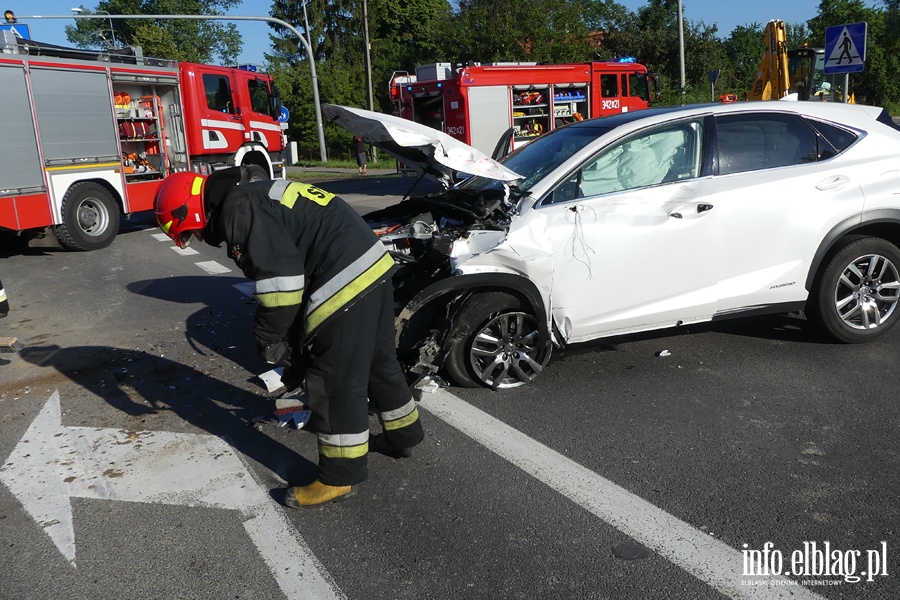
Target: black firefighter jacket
[{"x": 309, "y": 253}]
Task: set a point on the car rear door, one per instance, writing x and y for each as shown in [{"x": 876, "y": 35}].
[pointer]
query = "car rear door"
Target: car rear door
[{"x": 775, "y": 201}]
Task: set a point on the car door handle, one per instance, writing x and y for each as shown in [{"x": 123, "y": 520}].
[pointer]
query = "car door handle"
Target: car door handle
[
  {"x": 833, "y": 182},
  {"x": 701, "y": 208}
]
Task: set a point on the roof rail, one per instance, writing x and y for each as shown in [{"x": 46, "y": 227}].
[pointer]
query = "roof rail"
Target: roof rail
[{"x": 129, "y": 55}]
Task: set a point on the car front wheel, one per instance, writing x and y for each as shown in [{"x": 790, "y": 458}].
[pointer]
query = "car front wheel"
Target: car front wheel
[
  {"x": 495, "y": 343},
  {"x": 856, "y": 297}
]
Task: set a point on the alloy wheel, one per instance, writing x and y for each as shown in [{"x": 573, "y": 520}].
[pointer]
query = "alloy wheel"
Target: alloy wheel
[
  {"x": 505, "y": 352},
  {"x": 867, "y": 291}
]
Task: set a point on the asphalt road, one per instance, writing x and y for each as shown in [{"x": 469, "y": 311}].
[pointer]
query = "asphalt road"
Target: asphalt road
[{"x": 130, "y": 467}]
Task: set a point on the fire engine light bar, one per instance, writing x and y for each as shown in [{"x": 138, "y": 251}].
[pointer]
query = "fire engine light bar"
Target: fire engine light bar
[{"x": 625, "y": 59}]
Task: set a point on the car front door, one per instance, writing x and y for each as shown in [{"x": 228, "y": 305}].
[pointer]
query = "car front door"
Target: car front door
[{"x": 632, "y": 235}]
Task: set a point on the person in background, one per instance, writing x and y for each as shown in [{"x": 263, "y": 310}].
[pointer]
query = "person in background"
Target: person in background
[
  {"x": 4, "y": 302},
  {"x": 326, "y": 309},
  {"x": 359, "y": 149}
]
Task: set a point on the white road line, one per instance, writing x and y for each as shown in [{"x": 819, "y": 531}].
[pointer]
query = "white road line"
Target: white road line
[
  {"x": 213, "y": 268},
  {"x": 713, "y": 562},
  {"x": 184, "y": 251},
  {"x": 161, "y": 237}
]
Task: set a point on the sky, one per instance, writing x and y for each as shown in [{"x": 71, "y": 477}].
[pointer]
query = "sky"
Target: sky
[{"x": 727, "y": 14}]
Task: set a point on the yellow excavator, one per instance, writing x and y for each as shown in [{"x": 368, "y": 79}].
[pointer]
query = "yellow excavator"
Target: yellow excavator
[
  {"x": 772, "y": 80},
  {"x": 798, "y": 71}
]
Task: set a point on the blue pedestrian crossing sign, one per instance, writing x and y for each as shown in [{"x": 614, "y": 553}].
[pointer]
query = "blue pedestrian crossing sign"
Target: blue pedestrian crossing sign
[
  {"x": 20, "y": 30},
  {"x": 845, "y": 48}
]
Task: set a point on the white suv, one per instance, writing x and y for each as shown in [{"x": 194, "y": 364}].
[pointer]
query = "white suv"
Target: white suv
[{"x": 642, "y": 221}]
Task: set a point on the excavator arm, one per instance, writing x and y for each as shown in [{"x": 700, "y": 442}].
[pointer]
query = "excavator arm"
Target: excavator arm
[{"x": 773, "y": 80}]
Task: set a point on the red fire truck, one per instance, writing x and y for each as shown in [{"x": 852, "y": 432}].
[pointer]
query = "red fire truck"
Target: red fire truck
[
  {"x": 477, "y": 103},
  {"x": 89, "y": 137}
]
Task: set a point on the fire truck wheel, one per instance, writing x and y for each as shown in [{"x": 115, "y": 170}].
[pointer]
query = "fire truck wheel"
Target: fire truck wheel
[{"x": 90, "y": 217}]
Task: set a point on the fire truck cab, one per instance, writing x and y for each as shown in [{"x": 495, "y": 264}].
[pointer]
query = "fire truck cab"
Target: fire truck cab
[
  {"x": 478, "y": 103},
  {"x": 90, "y": 136}
]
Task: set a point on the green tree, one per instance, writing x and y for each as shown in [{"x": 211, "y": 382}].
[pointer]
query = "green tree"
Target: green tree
[
  {"x": 183, "y": 40},
  {"x": 651, "y": 35},
  {"x": 744, "y": 50},
  {"x": 403, "y": 33},
  {"x": 890, "y": 43},
  {"x": 520, "y": 30}
]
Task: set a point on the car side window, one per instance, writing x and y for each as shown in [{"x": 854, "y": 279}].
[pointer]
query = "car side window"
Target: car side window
[
  {"x": 833, "y": 140},
  {"x": 751, "y": 142},
  {"x": 651, "y": 157}
]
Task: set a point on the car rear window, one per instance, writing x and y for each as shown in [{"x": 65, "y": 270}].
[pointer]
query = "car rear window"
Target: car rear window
[{"x": 751, "y": 142}]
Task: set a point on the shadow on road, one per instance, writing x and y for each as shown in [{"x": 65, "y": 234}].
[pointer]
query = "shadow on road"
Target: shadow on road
[
  {"x": 143, "y": 385},
  {"x": 780, "y": 327},
  {"x": 172, "y": 382}
]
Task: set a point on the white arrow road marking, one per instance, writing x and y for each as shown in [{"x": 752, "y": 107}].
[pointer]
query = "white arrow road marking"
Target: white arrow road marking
[
  {"x": 706, "y": 558},
  {"x": 52, "y": 463}
]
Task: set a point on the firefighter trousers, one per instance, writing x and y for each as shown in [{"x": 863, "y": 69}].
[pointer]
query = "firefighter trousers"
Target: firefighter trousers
[{"x": 353, "y": 358}]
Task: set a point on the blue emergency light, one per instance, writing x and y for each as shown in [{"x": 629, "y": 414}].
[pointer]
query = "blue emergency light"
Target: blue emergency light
[{"x": 625, "y": 59}]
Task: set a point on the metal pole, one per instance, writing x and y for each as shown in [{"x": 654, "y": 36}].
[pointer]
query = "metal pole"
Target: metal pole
[
  {"x": 312, "y": 62},
  {"x": 306, "y": 24},
  {"x": 112, "y": 31},
  {"x": 368, "y": 62},
  {"x": 846, "y": 88},
  {"x": 681, "y": 47}
]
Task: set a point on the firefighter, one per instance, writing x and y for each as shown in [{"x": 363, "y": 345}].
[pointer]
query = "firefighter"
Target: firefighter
[
  {"x": 325, "y": 309},
  {"x": 4, "y": 302}
]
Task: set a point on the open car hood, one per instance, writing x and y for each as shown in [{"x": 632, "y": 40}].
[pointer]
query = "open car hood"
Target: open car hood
[{"x": 417, "y": 146}]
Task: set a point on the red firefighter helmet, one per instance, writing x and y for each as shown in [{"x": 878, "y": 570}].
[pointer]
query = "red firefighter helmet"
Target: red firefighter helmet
[{"x": 179, "y": 207}]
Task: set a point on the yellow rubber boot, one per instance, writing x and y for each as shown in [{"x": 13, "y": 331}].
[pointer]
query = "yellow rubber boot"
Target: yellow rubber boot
[{"x": 315, "y": 494}]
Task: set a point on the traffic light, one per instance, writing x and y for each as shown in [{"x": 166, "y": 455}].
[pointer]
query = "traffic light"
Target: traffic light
[{"x": 10, "y": 16}]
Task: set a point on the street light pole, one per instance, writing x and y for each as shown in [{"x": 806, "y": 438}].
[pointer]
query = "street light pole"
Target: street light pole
[
  {"x": 112, "y": 32},
  {"x": 368, "y": 62},
  {"x": 306, "y": 25},
  {"x": 681, "y": 47}
]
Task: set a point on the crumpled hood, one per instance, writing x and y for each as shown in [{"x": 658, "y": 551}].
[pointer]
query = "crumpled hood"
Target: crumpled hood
[{"x": 418, "y": 146}]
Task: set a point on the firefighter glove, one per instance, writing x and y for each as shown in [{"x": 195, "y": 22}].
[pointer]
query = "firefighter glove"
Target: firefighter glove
[{"x": 277, "y": 354}]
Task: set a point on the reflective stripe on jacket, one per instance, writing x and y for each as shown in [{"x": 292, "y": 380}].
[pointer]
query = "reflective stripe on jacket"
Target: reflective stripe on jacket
[{"x": 305, "y": 249}]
